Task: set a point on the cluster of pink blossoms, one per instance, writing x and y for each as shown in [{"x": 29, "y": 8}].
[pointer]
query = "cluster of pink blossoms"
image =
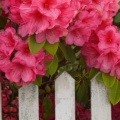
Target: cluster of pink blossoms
[
  {"x": 86, "y": 23},
  {"x": 17, "y": 62},
  {"x": 47, "y": 19},
  {"x": 102, "y": 50},
  {"x": 51, "y": 19}
]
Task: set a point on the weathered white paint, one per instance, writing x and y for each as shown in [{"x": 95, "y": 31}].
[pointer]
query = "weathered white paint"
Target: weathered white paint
[
  {"x": 100, "y": 105},
  {"x": 65, "y": 97},
  {"x": 28, "y": 102},
  {"x": 0, "y": 102}
]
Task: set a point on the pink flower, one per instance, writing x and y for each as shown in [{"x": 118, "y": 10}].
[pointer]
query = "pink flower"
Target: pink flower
[
  {"x": 9, "y": 40},
  {"x": 112, "y": 7},
  {"x": 4, "y": 61},
  {"x": 116, "y": 69},
  {"x": 67, "y": 13},
  {"x": 35, "y": 21},
  {"x": 89, "y": 18},
  {"x": 76, "y": 4},
  {"x": 51, "y": 35},
  {"x": 5, "y": 5},
  {"x": 91, "y": 53},
  {"x": 93, "y": 37},
  {"x": 15, "y": 15},
  {"x": 19, "y": 73},
  {"x": 77, "y": 35},
  {"x": 104, "y": 23},
  {"x": 107, "y": 59},
  {"x": 24, "y": 54},
  {"x": 48, "y": 7},
  {"x": 108, "y": 38},
  {"x": 41, "y": 59}
]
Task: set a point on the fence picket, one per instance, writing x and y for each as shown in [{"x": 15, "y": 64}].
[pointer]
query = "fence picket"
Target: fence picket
[
  {"x": 28, "y": 102},
  {"x": 100, "y": 105},
  {"x": 65, "y": 97},
  {"x": 64, "y": 100}
]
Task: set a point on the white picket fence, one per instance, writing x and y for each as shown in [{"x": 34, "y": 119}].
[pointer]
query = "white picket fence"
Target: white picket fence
[{"x": 64, "y": 100}]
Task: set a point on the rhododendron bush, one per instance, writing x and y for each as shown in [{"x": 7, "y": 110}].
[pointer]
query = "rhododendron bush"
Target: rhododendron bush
[{"x": 39, "y": 39}]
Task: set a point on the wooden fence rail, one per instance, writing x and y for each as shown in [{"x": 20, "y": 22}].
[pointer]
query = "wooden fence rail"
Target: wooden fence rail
[{"x": 64, "y": 100}]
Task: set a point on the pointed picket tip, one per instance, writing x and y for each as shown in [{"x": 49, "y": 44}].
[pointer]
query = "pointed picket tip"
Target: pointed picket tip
[
  {"x": 64, "y": 78},
  {"x": 65, "y": 97},
  {"x": 100, "y": 105},
  {"x": 29, "y": 102},
  {"x": 65, "y": 74}
]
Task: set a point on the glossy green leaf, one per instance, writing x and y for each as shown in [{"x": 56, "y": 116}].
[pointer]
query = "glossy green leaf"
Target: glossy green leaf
[
  {"x": 82, "y": 94},
  {"x": 114, "y": 93},
  {"x": 68, "y": 52},
  {"x": 92, "y": 73},
  {"x": 82, "y": 62},
  {"x": 51, "y": 48},
  {"x": 99, "y": 77},
  {"x": 34, "y": 46},
  {"x": 38, "y": 81},
  {"x": 117, "y": 18},
  {"x": 52, "y": 67},
  {"x": 48, "y": 108},
  {"x": 108, "y": 80}
]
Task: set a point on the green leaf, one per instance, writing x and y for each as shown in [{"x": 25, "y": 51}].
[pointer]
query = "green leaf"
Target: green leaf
[
  {"x": 68, "y": 52},
  {"x": 92, "y": 73},
  {"x": 38, "y": 81},
  {"x": 99, "y": 77},
  {"x": 34, "y": 46},
  {"x": 52, "y": 67},
  {"x": 117, "y": 18},
  {"x": 114, "y": 93},
  {"x": 82, "y": 62},
  {"x": 51, "y": 48},
  {"x": 108, "y": 80},
  {"x": 82, "y": 94},
  {"x": 48, "y": 107}
]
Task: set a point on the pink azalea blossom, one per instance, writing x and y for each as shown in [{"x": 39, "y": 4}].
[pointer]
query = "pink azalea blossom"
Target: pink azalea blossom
[
  {"x": 19, "y": 73},
  {"x": 35, "y": 22},
  {"x": 4, "y": 61},
  {"x": 77, "y": 35},
  {"x": 5, "y": 5},
  {"x": 91, "y": 53},
  {"x": 94, "y": 38},
  {"x": 51, "y": 35},
  {"x": 9, "y": 40},
  {"x": 41, "y": 58},
  {"x": 48, "y": 7},
  {"x": 15, "y": 15},
  {"x": 112, "y": 7},
  {"x": 90, "y": 19},
  {"x": 116, "y": 70},
  {"x": 108, "y": 38},
  {"x": 67, "y": 13},
  {"x": 107, "y": 59}
]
